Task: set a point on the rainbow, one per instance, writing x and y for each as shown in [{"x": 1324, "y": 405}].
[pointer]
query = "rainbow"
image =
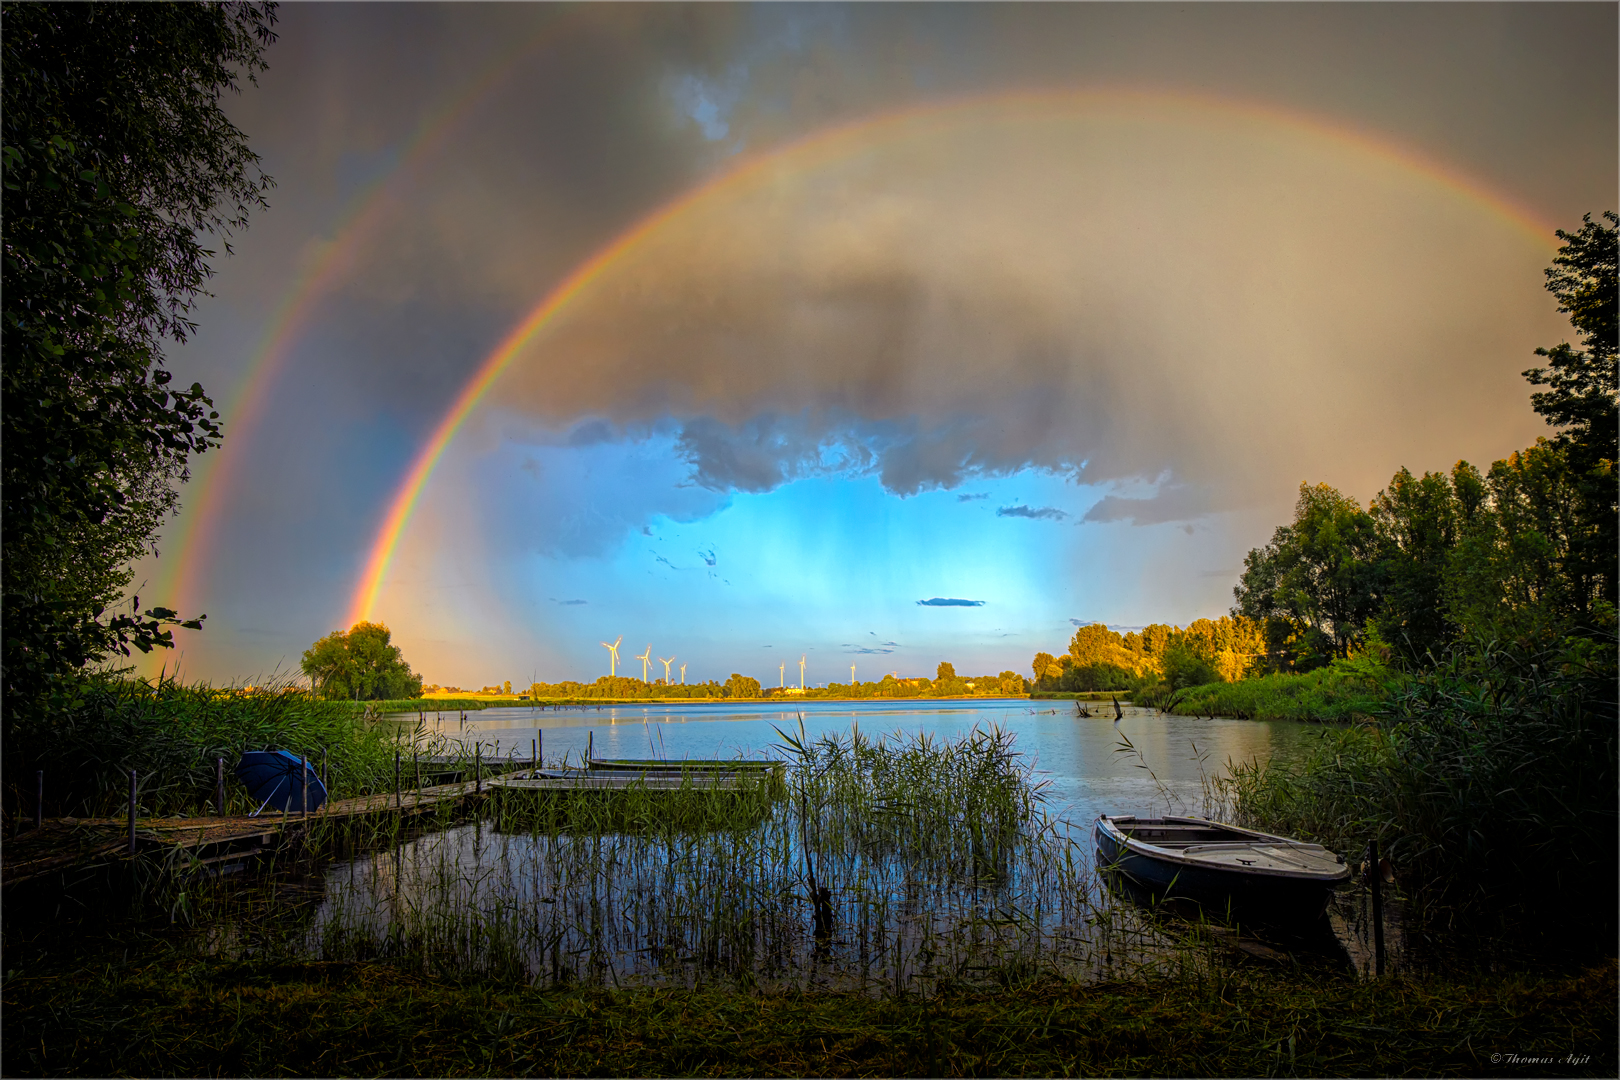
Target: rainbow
[
  {"x": 819, "y": 147},
  {"x": 195, "y": 539}
]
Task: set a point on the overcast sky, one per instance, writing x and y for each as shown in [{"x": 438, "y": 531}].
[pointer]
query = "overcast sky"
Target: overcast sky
[{"x": 1045, "y": 310}]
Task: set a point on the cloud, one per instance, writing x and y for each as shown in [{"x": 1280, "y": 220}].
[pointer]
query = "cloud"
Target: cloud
[
  {"x": 1171, "y": 502},
  {"x": 864, "y": 651},
  {"x": 1085, "y": 622},
  {"x": 973, "y": 497},
  {"x": 940, "y": 601},
  {"x": 568, "y": 603},
  {"x": 1049, "y": 513}
]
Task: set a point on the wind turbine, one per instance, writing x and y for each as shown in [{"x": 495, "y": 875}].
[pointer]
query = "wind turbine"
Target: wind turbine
[
  {"x": 801, "y": 671},
  {"x": 852, "y": 674},
  {"x": 613, "y": 656},
  {"x": 781, "y": 675},
  {"x": 645, "y": 658},
  {"x": 683, "y": 674},
  {"x": 666, "y": 664}
]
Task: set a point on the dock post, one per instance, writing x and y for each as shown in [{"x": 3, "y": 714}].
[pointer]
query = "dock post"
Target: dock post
[
  {"x": 219, "y": 787},
  {"x": 399, "y": 799},
  {"x": 534, "y": 753},
  {"x": 39, "y": 798},
  {"x": 478, "y": 765},
  {"x": 132, "y": 782},
  {"x": 590, "y": 747},
  {"x": 1377, "y": 873}
]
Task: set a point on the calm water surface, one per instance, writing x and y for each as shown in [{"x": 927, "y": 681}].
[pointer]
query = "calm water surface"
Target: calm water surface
[{"x": 1089, "y": 764}]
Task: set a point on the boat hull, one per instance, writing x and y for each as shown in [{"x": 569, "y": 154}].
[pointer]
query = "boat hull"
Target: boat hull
[{"x": 1228, "y": 895}]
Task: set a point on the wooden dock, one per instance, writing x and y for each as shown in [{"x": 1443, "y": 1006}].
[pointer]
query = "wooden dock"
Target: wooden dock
[
  {"x": 73, "y": 845},
  {"x": 68, "y": 845}
]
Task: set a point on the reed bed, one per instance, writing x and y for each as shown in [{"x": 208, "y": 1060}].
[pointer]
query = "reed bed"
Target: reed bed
[
  {"x": 907, "y": 864},
  {"x": 1490, "y": 782},
  {"x": 171, "y": 734}
]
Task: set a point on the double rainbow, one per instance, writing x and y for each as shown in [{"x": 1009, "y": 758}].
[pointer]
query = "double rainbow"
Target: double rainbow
[{"x": 833, "y": 144}]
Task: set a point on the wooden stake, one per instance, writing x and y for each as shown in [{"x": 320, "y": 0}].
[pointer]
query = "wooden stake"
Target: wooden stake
[
  {"x": 1377, "y": 873},
  {"x": 132, "y": 782}
]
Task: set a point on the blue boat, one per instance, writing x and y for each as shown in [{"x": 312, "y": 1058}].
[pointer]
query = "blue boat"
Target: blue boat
[{"x": 1224, "y": 871}]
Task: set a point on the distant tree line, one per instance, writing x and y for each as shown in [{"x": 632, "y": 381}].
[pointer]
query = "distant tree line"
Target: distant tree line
[
  {"x": 1224, "y": 649},
  {"x": 744, "y": 687}
]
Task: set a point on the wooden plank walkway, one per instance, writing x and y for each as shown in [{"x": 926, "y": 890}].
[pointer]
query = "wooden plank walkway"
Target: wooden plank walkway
[{"x": 68, "y": 844}]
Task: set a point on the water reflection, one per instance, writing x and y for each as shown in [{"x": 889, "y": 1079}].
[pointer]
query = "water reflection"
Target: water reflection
[{"x": 684, "y": 907}]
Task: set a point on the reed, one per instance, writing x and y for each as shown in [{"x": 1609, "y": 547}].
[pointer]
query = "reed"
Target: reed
[
  {"x": 171, "y": 734},
  {"x": 900, "y": 865}
]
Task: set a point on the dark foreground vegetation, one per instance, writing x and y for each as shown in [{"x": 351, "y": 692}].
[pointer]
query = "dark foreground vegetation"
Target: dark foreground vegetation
[{"x": 159, "y": 1018}]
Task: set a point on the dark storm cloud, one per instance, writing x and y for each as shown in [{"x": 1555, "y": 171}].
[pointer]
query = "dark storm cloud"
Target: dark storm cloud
[
  {"x": 901, "y": 366},
  {"x": 940, "y": 601},
  {"x": 1045, "y": 513}
]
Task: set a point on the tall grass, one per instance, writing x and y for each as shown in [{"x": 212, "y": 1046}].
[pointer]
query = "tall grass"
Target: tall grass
[
  {"x": 172, "y": 734},
  {"x": 1490, "y": 782}
]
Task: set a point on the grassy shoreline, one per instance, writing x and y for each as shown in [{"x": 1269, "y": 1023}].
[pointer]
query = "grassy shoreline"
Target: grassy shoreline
[{"x": 334, "y": 1019}]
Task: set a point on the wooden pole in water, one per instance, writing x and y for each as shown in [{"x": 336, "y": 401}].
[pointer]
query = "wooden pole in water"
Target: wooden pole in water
[
  {"x": 132, "y": 782},
  {"x": 534, "y": 752},
  {"x": 219, "y": 786},
  {"x": 590, "y": 747},
  {"x": 1377, "y": 873},
  {"x": 39, "y": 798}
]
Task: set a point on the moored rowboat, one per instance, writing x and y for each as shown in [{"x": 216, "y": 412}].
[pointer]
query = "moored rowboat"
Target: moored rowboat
[{"x": 1227, "y": 871}]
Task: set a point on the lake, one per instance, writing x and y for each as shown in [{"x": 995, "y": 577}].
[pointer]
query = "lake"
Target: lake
[
  {"x": 1088, "y": 763},
  {"x": 921, "y": 885}
]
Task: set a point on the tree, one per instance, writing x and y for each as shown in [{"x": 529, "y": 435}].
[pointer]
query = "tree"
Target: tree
[
  {"x": 1583, "y": 395},
  {"x": 360, "y": 665},
  {"x": 1318, "y": 575},
  {"x": 1043, "y": 661},
  {"x": 945, "y": 672},
  {"x": 118, "y": 160},
  {"x": 1419, "y": 522},
  {"x": 741, "y": 686}
]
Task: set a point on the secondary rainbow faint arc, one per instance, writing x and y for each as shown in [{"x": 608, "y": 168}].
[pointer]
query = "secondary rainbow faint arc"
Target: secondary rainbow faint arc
[
  {"x": 193, "y": 541},
  {"x": 410, "y": 489}
]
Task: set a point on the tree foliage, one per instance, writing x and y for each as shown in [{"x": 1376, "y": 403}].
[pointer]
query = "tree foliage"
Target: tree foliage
[
  {"x": 1583, "y": 395},
  {"x": 360, "y": 665},
  {"x": 118, "y": 165},
  {"x": 1525, "y": 552}
]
